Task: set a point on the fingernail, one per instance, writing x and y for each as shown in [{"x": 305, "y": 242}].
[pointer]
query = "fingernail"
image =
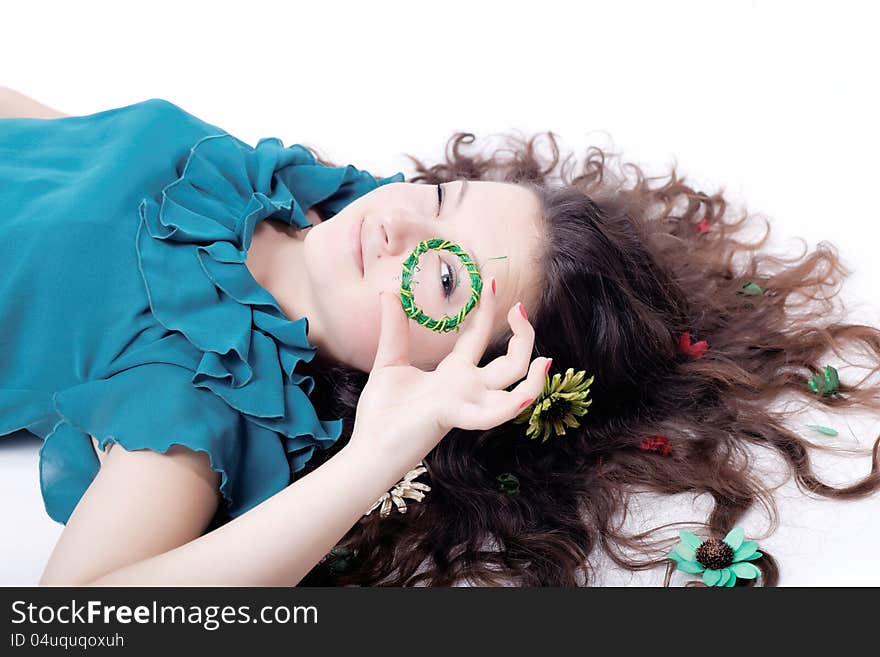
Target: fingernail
[
  {"x": 527, "y": 402},
  {"x": 523, "y": 310},
  {"x": 547, "y": 369},
  {"x": 493, "y": 285}
]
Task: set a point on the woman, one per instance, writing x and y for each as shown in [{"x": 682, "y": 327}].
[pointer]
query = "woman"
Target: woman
[{"x": 197, "y": 383}]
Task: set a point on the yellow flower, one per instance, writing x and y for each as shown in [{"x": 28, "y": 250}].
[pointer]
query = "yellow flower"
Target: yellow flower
[{"x": 557, "y": 407}]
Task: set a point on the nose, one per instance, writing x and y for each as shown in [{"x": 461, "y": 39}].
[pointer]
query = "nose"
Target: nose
[{"x": 402, "y": 230}]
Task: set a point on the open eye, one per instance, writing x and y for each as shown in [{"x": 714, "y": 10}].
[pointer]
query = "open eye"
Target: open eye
[{"x": 448, "y": 279}]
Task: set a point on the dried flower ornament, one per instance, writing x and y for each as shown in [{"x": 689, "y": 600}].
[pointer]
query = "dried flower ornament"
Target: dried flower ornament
[
  {"x": 558, "y": 405},
  {"x": 720, "y": 561},
  {"x": 405, "y": 488}
]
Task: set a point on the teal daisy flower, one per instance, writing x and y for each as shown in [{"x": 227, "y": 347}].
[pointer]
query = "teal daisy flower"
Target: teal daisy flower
[{"x": 720, "y": 561}]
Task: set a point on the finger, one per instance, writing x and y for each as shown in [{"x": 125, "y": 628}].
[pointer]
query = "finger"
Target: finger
[
  {"x": 393, "y": 346},
  {"x": 500, "y": 406},
  {"x": 476, "y": 334},
  {"x": 508, "y": 369}
]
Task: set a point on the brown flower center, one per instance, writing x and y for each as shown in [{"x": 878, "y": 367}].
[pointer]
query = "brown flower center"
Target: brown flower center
[
  {"x": 715, "y": 554},
  {"x": 559, "y": 408}
]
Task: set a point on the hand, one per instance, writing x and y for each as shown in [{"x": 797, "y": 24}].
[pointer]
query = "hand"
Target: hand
[{"x": 406, "y": 411}]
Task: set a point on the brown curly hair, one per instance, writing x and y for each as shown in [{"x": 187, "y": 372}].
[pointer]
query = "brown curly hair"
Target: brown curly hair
[{"x": 629, "y": 268}]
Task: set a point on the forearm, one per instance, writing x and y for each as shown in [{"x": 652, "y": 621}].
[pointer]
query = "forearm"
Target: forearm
[
  {"x": 16, "y": 105},
  {"x": 280, "y": 540}
]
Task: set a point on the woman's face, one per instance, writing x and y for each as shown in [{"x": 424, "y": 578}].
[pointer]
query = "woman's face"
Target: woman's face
[{"x": 486, "y": 219}]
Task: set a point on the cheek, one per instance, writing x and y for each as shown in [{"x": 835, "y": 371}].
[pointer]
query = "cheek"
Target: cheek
[
  {"x": 362, "y": 334},
  {"x": 427, "y": 348}
]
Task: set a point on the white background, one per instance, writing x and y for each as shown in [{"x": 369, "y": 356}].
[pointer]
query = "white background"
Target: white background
[{"x": 776, "y": 103}]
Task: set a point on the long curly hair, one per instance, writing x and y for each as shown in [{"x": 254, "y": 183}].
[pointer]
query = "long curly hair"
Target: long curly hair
[{"x": 628, "y": 268}]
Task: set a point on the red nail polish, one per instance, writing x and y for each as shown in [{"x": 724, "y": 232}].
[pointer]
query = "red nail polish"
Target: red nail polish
[
  {"x": 523, "y": 311},
  {"x": 547, "y": 369},
  {"x": 527, "y": 402},
  {"x": 493, "y": 285}
]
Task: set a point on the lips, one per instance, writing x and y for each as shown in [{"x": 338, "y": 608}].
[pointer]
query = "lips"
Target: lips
[{"x": 357, "y": 245}]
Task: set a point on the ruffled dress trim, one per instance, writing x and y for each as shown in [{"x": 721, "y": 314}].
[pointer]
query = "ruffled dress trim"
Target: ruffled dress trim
[
  {"x": 200, "y": 232},
  {"x": 235, "y": 396}
]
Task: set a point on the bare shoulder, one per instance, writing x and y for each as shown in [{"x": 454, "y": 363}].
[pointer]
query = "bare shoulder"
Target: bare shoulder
[
  {"x": 141, "y": 503},
  {"x": 14, "y": 104}
]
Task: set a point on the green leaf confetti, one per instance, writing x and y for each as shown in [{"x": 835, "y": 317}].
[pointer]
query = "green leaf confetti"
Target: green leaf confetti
[
  {"x": 828, "y": 431},
  {"x": 508, "y": 483},
  {"x": 751, "y": 289},
  {"x": 826, "y": 382}
]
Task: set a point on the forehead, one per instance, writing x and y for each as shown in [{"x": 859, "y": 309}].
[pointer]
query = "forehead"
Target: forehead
[{"x": 505, "y": 227}]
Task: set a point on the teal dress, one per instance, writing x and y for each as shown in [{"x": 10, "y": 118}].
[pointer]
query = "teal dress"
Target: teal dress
[{"x": 126, "y": 310}]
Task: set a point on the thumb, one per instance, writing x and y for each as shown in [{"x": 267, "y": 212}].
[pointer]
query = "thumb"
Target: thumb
[{"x": 393, "y": 347}]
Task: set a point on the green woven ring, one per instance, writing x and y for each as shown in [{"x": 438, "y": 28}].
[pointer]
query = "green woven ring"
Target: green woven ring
[{"x": 412, "y": 311}]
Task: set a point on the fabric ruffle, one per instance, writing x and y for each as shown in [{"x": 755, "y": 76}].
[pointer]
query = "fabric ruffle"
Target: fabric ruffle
[
  {"x": 222, "y": 381},
  {"x": 199, "y": 232}
]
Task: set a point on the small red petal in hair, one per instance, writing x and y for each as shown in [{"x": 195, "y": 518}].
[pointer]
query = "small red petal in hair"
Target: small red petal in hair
[
  {"x": 698, "y": 349},
  {"x": 703, "y": 226},
  {"x": 656, "y": 443},
  {"x": 684, "y": 342},
  {"x": 695, "y": 350}
]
